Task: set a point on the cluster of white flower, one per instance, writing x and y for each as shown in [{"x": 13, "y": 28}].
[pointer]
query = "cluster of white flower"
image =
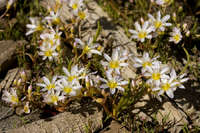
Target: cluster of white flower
[
  {"x": 11, "y": 95},
  {"x": 155, "y": 25},
  {"x": 50, "y": 37},
  {"x": 63, "y": 86},
  {"x": 77, "y": 7},
  {"x": 160, "y": 77},
  {"x": 113, "y": 65}
]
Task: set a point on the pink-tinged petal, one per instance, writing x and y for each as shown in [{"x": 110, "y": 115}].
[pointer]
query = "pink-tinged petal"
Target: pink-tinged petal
[
  {"x": 123, "y": 83},
  {"x": 134, "y": 36},
  {"x": 164, "y": 70},
  {"x": 66, "y": 71},
  {"x": 145, "y": 25},
  {"x": 181, "y": 86},
  {"x": 149, "y": 36},
  {"x": 184, "y": 80},
  {"x": 165, "y": 18},
  {"x": 107, "y": 57},
  {"x": 137, "y": 26},
  {"x": 151, "y": 17},
  {"x": 157, "y": 83},
  {"x": 95, "y": 52},
  {"x": 115, "y": 54},
  {"x": 160, "y": 92},
  {"x": 29, "y": 32},
  {"x": 41, "y": 85},
  {"x": 72, "y": 93},
  {"x": 158, "y": 15},
  {"x": 112, "y": 91},
  {"x": 170, "y": 93},
  {"x": 79, "y": 41},
  {"x": 133, "y": 31},
  {"x": 104, "y": 86},
  {"x": 167, "y": 24},
  {"x": 123, "y": 64},
  {"x": 156, "y": 89},
  {"x": 120, "y": 88},
  {"x": 46, "y": 80},
  {"x": 137, "y": 65}
]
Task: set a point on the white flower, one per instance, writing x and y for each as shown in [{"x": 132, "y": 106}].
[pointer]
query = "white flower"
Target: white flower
[
  {"x": 116, "y": 61},
  {"x": 159, "y": 23},
  {"x": 11, "y": 97},
  {"x": 167, "y": 85},
  {"x": 26, "y": 108},
  {"x": 142, "y": 32},
  {"x": 10, "y": 2},
  {"x": 52, "y": 38},
  {"x": 34, "y": 26},
  {"x": 48, "y": 51},
  {"x": 82, "y": 14},
  {"x": 156, "y": 73},
  {"x": 163, "y": 2},
  {"x": 74, "y": 75},
  {"x": 54, "y": 17},
  {"x": 175, "y": 35},
  {"x": 49, "y": 85},
  {"x": 144, "y": 61},
  {"x": 180, "y": 79},
  {"x": 53, "y": 98},
  {"x": 76, "y": 5},
  {"x": 113, "y": 83},
  {"x": 69, "y": 88},
  {"x": 88, "y": 48}
]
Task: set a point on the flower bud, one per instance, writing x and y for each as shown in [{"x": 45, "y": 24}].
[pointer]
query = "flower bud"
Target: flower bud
[
  {"x": 188, "y": 33},
  {"x": 29, "y": 91},
  {"x": 23, "y": 75},
  {"x": 180, "y": 9},
  {"x": 184, "y": 26},
  {"x": 174, "y": 16},
  {"x": 19, "y": 81}
]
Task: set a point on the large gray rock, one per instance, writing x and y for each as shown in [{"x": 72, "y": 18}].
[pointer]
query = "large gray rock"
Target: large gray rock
[
  {"x": 84, "y": 120},
  {"x": 7, "y": 52}
]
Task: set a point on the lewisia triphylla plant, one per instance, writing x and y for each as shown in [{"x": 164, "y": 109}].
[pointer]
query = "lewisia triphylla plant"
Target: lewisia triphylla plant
[{"x": 66, "y": 79}]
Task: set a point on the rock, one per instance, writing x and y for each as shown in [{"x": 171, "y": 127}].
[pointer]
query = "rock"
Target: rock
[
  {"x": 7, "y": 52},
  {"x": 66, "y": 122},
  {"x": 115, "y": 127}
]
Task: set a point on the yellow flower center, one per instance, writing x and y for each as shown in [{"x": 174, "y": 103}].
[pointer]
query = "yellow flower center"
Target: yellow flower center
[
  {"x": 81, "y": 15},
  {"x": 142, "y": 34},
  {"x": 166, "y": 86},
  {"x": 50, "y": 86},
  {"x": 114, "y": 64},
  {"x": 157, "y": 24},
  {"x": 75, "y": 6},
  {"x": 176, "y": 37},
  {"x": 14, "y": 99},
  {"x": 71, "y": 78},
  {"x": 54, "y": 98},
  {"x": 112, "y": 84},
  {"x": 86, "y": 49},
  {"x": 51, "y": 42},
  {"x": 67, "y": 89},
  {"x": 145, "y": 64},
  {"x": 156, "y": 76},
  {"x": 39, "y": 28},
  {"x": 56, "y": 20},
  {"x": 48, "y": 53}
]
